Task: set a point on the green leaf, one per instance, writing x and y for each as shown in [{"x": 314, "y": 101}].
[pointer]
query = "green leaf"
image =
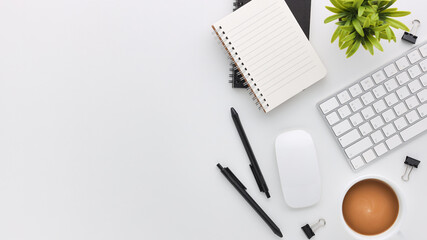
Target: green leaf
[
  {"x": 389, "y": 10},
  {"x": 358, "y": 27},
  {"x": 338, "y": 4},
  {"x": 370, "y": 47},
  {"x": 388, "y": 32},
  {"x": 350, "y": 37},
  {"x": 380, "y": 28},
  {"x": 361, "y": 11},
  {"x": 357, "y": 3},
  {"x": 354, "y": 48},
  {"x": 334, "y": 17},
  {"x": 335, "y": 35},
  {"x": 389, "y": 4},
  {"x": 375, "y": 42},
  {"x": 334, "y": 10},
  {"x": 366, "y": 23},
  {"x": 364, "y": 45},
  {"x": 347, "y": 28},
  {"x": 346, "y": 44},
  {"x": 397, "y": 14},
  {"x": 396, "y": 24}
]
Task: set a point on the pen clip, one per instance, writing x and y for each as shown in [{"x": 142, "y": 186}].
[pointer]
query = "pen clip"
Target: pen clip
[
  {"x": 231, "y": 174},
  {"x": 258, "y": 181}
]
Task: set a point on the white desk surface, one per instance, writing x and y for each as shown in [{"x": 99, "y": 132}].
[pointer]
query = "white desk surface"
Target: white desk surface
[{"x": 115, "y": 113}]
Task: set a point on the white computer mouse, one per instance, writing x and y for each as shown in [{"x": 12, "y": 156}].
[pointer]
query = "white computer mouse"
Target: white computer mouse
[{"x": 298, "y": 168}]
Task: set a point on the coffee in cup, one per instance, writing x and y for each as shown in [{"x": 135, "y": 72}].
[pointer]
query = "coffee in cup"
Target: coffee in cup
[{"x": 370, "y": 207}]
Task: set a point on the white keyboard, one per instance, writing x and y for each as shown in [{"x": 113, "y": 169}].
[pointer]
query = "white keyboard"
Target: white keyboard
[{"x": 382, "y": 110}]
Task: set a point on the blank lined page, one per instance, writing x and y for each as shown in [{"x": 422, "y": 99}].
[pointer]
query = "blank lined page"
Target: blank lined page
[{"x": 271, "y": 50}]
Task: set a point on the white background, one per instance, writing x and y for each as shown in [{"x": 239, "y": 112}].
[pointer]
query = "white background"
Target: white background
[{"x": 114, "y": 114}]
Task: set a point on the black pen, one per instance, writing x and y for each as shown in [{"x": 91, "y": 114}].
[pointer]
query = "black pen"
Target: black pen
[
  {"x": 254, "y": 164},
  {"x": 242, "y": 190}
]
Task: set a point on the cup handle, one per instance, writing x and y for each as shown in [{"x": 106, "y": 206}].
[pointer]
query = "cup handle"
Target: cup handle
[{"x": 397, "y": 236}]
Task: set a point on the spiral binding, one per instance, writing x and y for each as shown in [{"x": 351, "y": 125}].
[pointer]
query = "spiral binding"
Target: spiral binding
[{"x": 253, "y": 89}]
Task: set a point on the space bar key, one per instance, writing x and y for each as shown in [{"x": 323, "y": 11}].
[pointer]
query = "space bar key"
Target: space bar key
[{"x": 414, "y": 130}]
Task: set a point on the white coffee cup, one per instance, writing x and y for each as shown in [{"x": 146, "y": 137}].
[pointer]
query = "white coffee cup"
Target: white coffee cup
[{"x": 393, "y": 233}]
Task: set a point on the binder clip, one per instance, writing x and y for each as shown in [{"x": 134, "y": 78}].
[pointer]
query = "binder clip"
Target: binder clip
[
  {"x": 411, "y": 163},
  {"x": 410, "y": 36},
  {"x": 309, "y": 230}
]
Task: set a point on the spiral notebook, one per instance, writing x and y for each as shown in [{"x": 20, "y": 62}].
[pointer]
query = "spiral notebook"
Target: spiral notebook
[
  {"x": 301, "y": 10},
  {"x": 270, "y": 50}
]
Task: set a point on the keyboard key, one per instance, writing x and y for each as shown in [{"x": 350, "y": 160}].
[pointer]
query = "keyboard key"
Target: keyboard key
[
  {"x": 377, "y": 122},
  {"x": 358, "y": 147},
  {"x": 400, "y": 123},
  {"x": 403, "y": 92},
  {"x": 332, "y": 118},
  {"x": 423, "y": 65},
  {"x": 423, "y": 79},
  {"x": 379, "y": 76},
  {"x": 414, "y": 130},
  {"x": 356, "y": 119},
  {"x": 355, "y": 90},
  {"x": 422, "y": 110},
  {"x": 349, "y": 137},
  {"x": 391, "y": 84},
  {"x": 414, "y": 86},
  {"x": 367, "y": 98},
  {"x": 344, "y": 111},
  {"x": 367, "y": 83},
  {"x": 341, "y": 127},
  {"x": 379, "y": 91},
  {"x": 412, "y": 116},
  {"x": 400, "y": 109},
  {"x": 357, "y": 162},
  {"x": 329, "y": 105},
  {"x": 414, "y": 56},
  {"x": 402, "y": 63},
  {"x": 389, "y": 115},
  {"x": 369, "y": 155},
  {"x": 402, "y": 78},
  {"x": 365, "y": 129},
  {"x": 356, "y": 105},
  {"x": 423, "y": 50},
  {"x": 380, "y": 149},
  {"x": 422, "y": 96},
  {"x": 379, "y": 106},
  {"x": 390, "y": 70},
  {"x": 389, "y": 130},
  {"x": 393, "y": 141},
  {"x": 368, "y": 112},
  {"x": 391, "y": 99},
  {"x": 412, "y": 102},
  {"x": 343, "y": 97},
  {"x": 414, "y": 71},
  {"x": 377, "y": 136}
]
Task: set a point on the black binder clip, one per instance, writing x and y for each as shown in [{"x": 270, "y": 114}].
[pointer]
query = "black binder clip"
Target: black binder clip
[
  {"x": 410, "y": 36},
  {"x": 309, "y": 230},
  {"x": 411, "y": 163}
]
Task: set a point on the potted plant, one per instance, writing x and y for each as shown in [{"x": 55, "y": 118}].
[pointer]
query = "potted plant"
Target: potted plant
[{"x": 364, "y": 22}]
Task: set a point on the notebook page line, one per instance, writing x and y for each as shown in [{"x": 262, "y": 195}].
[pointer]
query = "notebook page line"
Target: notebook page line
[
  {"x": 253, "y": 31},
  {"x": 295, "y": 78},
  {"x": 290, "y": 79},
  {"x": 250, "y": 18},
  {"x": 271, "y": 79},
  {"x": 259, "y": 41},
  {"x": 269, "y": 53},
  {"x": 284, "y": 60}
]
